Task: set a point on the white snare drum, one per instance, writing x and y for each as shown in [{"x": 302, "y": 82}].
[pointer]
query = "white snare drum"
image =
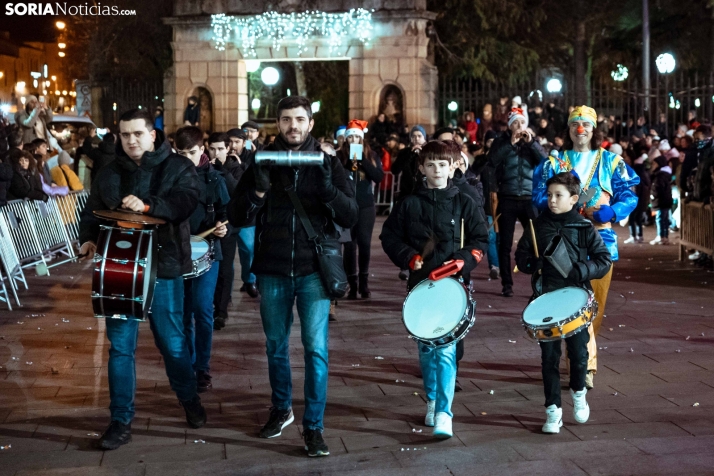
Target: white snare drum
[
  {"x": 439, "y": 313},
  {"x": 201, "y": 257},
  {"x": 559, "y": 314}
]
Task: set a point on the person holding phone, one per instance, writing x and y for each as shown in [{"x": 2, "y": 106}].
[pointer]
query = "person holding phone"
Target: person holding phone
[
  {"x": 33, "y": 119},
  {"x": 363, "y": 166}
]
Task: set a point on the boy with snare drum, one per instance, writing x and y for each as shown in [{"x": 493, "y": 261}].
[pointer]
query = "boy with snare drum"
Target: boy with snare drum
[
  {"x": 589, "y": 259},
  {"x": 422, "y": 232}
]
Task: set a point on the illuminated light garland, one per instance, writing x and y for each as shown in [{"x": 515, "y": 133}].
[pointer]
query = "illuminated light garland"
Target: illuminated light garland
[
  {"x": 621, "y": 73},
  {"x": 300, "y": 27}
]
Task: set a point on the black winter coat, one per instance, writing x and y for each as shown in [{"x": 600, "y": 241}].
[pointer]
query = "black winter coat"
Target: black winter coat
[
  {"x": 572, "y": 226},
  {"x": 407, "y": 164},
  {"x": 364, "y": 178},
  {"x": 26, "y": 186},
  {"x": 281, "y": 243},
  {"x": 165, "y": 181},
  {"x": 213, "y": 199},
  {"x": 433, "y": 217},
  {"x": 511, "y": 167},
  {"x": 101, "y": 156},
  {"x": 662, "y": 189},
  {"x": 642, "y": 189},
  {"x": 5, "y": 182}
]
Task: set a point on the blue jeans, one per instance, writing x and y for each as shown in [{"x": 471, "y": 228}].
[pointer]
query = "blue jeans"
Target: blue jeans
[
  {"x": 166, "y": 322},
  {"x": 278, "y": 293},
  {"x": 198, "y": 316},
  {"x": 663, "y": 223},
  {"x": 246, "y": 246},
  {"x": 438, "y": 369},
  {"x": 492, "y": 253}
]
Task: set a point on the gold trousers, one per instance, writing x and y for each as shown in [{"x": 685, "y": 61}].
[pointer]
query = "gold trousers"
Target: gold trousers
[{"x": 600, "y": 288}]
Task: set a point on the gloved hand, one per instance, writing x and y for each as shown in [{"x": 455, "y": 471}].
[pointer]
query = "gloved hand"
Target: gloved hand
[
  {"x": 325, "y": 189},
  {"x": 605, "y": 214},
  {"x": 575, "y": 274},
  {"x": 262, "y": 177},
  {"x": 468, "y": 259},
  {"x": 533, "y": 265}
]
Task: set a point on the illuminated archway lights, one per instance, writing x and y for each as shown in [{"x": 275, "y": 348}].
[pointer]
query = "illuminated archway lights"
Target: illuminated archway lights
[{"x": 298, "y": 27}]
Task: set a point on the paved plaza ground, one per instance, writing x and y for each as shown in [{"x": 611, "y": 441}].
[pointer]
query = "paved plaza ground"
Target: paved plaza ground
[{"x": 651, "y": 406}]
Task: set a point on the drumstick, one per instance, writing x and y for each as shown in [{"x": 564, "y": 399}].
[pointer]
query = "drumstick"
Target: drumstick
[
  {"x": 462, "y": 233},
  {"x": 535, "y": 244},
  {"x": 494, "y": 222},
  {"x": 211, "y": 230}
]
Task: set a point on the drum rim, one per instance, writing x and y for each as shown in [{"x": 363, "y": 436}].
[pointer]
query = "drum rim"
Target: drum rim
[
  {"x": 565, "y": 320},
  {"x": 404, "y": 305}
]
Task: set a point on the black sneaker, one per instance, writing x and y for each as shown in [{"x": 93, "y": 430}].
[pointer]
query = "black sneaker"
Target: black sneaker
[
  {"x": 116, "y": 435},
  {"x": 507, "y": 291},
  {"x": 195, "y": 413},
  {"x": 203, "y": 381},
  {"x": 314, "y": 444},
  {"x": 278, "y": 420},
  {"x": 403, "y": 274},
  {"x": 218, "y": 323}
]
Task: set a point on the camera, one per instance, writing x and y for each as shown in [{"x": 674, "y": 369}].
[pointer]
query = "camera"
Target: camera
[{"x": 288, "y": 158}]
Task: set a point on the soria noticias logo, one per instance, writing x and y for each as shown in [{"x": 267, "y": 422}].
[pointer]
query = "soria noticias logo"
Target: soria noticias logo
[{"x": 57, "y": 8}]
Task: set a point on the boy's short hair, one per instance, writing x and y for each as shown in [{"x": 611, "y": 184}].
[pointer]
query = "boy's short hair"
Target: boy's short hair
[
  {"x": 436, "y": 150},
  {"x": 188, "y": 137},
  {"x": 566, "y": 179},
  {"x": 454, "y": 149},
  {"x": 219, "y": 137}
]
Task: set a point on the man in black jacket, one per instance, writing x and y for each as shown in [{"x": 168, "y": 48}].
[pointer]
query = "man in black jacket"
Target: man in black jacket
[
  {"x": 286, "y": 263},
  {"x": 147, "y": 177},
  {"x": 511, "y": 162}
]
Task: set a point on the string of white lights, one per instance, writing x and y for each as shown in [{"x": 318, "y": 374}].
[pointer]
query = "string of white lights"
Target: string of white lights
[{"x": 300, "y": 27}]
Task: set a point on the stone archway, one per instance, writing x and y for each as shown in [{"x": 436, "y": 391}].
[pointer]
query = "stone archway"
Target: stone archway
[{"x": 395, "y": 56}]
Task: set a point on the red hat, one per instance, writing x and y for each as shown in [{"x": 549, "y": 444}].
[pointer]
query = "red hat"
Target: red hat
[{"x": 356, "y": 128}]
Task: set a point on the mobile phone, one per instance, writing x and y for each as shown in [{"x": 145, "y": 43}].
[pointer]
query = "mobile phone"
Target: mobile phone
[{"x": 42, "y": 99}]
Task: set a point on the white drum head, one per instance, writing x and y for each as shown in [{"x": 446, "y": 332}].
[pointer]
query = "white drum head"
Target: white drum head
[
  {"x": 555, "y": 306},
  {"x": 434, "y": 308},
  {"x": 199, "y": 248}
]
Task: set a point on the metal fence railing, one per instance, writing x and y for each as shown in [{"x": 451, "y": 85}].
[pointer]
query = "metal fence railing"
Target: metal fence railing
[
  {"x": 32, "y": 232},
  {"x": 697, "y": 228},
  {"x": 386, "y": 192}
]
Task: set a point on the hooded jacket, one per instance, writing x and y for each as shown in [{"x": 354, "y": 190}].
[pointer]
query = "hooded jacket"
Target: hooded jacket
[
  {"x": 212, "y": 201},
  {"x": 26, "y": 185},
  {"x": 428, "y": 223},
  {"x": 579, "y": 233},
  {"x": 511, "y": 167},
  {"x": 282, "y": 246},
  {"x": 165, "y": 181},
  {"x": 101, "y": 156}
]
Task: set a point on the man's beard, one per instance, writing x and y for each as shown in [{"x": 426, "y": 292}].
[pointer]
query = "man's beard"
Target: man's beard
[{"x": 294, "y": 141}]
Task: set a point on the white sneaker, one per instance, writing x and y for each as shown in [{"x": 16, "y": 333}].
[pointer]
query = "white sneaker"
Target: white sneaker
[
  {"x": 630, "y": 240},
  {"x": 442, "y": 429},
  {"x": 640, "y": 239},
  {"x": 694, "y": 256},
  {"x": 429, "y": 419},
  {"x": 581, "y": 409},
  {"x": 656, "y": 241},
  {"x": 553, "y": 419}
]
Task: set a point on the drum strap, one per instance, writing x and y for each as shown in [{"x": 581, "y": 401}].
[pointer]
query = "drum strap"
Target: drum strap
[
  {"x": 582, "y": 245},
  {"x": 458, "y": 213}
]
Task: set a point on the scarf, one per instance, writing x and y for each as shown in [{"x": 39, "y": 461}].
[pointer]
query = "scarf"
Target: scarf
[{"x": 310, "y": 144}]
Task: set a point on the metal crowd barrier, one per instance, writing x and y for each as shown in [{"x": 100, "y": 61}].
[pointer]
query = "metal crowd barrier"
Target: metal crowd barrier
[
  {"x": 32, "y": 231},
  {"x": 386, "y": 192},
  {"x": 697, "y": 228}
]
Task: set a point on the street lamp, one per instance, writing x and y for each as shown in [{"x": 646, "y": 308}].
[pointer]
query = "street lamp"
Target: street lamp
[
  {"x": 62, "y": 45},
  {"x": 315, "y": 107},
  {"x": 554, "y": 85},
  {"x": 270, "y": 76},
  {"x": 453, "y": 106},
  {"x": 255, "y": 104},
  {"x": 61, "y": 54},
  {"x": 665, "y": 63},
  {"x": 60, "y": 25},
  {"x": 251, "y": 66}
]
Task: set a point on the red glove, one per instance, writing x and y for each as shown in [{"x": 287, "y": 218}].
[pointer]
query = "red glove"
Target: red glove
[
  {"x": 477, "y": 254},
  {"x": 414, "y": 259}
]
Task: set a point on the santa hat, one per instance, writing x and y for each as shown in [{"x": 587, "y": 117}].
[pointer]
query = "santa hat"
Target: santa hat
[
  {"x": 664, "y": 145},
  {"x": 615, "y": 149},
  {"x": 517, "y": 113},
  {"x": 356, "y": 128}
]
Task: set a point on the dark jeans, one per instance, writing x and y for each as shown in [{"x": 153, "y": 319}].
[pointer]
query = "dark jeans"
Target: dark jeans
[
  {"x": 278, "y": 295},
  {"x": 226, "y": 274},
  {"x": 663, "y": 222},
  {"x": 362, "y": 240},
  {"x": 550, "y": 352},
  {"x": 511, "y": 210},
  {"x": 166, "y": 322},
  {"x": 198, "y": 317},
  {"x": 637, "y": 219}
]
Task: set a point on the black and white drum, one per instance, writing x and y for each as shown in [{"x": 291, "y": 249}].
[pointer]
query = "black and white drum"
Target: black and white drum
[
  {"x": 201, "y": 257},
  {"x": 439, "y": 313}
]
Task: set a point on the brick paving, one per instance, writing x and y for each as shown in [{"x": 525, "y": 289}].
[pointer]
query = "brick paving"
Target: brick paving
[{"x": 656, "y": 364}]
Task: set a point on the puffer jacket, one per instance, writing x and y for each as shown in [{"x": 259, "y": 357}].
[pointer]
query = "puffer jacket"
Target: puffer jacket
[
  {"x": 165, "y": 181},
  {"x": 579, "y": 233},
  {"x": 26, "y": 185},
  {"x": 431, "y": 219},
  {"x": 282, "y": 246},
  {"x": 511, "y": 167},
  {"x": 662, "y": 189},
  {"x": 364, "y": 178}
]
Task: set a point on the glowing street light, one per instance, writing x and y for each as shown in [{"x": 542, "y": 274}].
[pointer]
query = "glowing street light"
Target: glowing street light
[
  {"x": 61, "y": 54},
  {"x": 554, "y": 85},
  {"x": 621, "y": 73},
  {"x": 665, "y": 63},
  {"x": 697, "y": 103},
  {"x": 54, "y": 78},
  {"x": 315, "y": 107},
  {"x": 64, "y": 93},
  {"x": 270, "y": 76},
  {"x": 453, "y": 106},
  {"x": 62, "y": 45},
  {"x": 255, "y": 104},
  {"x": 251, "y": 66},
  {"x": 1, "y": 74},
  {"x": 60, "y": 25}
]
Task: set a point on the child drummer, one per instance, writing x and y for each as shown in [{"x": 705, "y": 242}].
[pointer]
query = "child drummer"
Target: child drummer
[
  {"x": 422, "y": 232},
  {"x": 581, "y": 239}
]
